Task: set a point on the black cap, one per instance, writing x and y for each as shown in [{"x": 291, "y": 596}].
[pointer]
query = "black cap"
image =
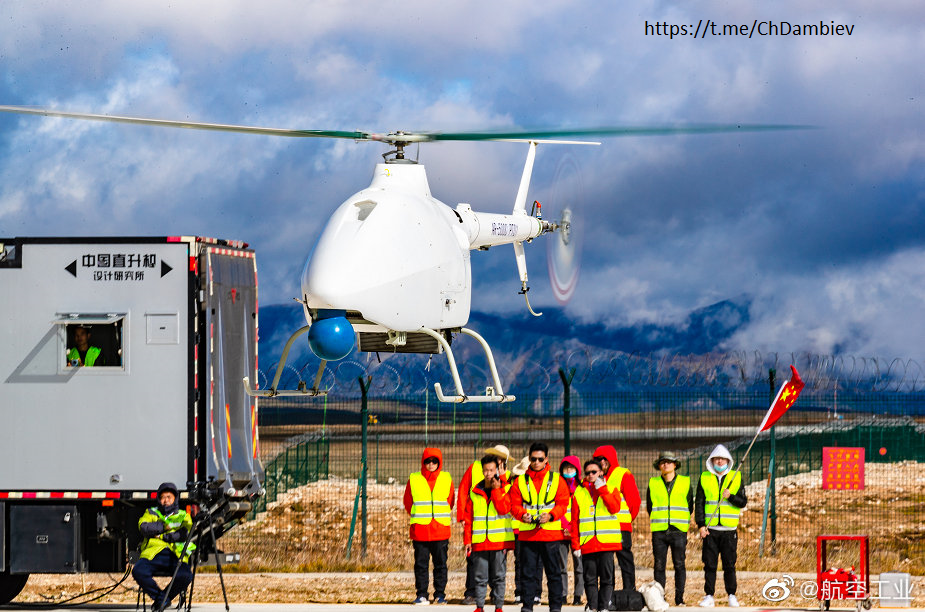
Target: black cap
[{"x": 168, "y": 486}]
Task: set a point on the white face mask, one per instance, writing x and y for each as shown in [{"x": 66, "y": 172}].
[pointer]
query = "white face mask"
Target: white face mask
[{"x": 569, "y": 473}]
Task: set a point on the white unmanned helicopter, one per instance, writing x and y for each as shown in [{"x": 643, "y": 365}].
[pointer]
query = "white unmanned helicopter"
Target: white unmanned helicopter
[{"x": 391, "y": 269}]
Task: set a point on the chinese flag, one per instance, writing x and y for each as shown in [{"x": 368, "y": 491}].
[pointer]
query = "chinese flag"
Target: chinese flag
[{"x": 788, "y": 394}]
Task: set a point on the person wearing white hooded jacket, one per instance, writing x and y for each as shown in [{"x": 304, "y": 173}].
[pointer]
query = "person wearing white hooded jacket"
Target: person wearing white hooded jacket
[{"x": 719, "y": 499}]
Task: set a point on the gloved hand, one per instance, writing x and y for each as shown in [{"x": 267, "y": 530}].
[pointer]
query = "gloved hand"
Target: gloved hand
[
  {"x": 151, "y": 529},
  {"x": 174, "y": 536},
  {"x": 599, "y": 483},
  {"x": 577, "y": 554}
]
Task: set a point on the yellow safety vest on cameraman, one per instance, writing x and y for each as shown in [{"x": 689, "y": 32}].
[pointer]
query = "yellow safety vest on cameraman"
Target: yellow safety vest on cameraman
[
  {"x": 430, "y": 505},
  {"x": 539, "y": 502},
  {"x": 487, "y": 524},
  {"x": 669, "y": 509},
  {"x": 614, "y": 483},
  {"x": 152, "y": 546},
  {"x": 728, "y": 515},
  {"x": 92, "y": 353},
  {"x": 595, "y": 520}
]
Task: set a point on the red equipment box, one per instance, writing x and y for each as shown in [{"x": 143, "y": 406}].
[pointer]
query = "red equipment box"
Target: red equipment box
[{"x": 838, "y": 583}]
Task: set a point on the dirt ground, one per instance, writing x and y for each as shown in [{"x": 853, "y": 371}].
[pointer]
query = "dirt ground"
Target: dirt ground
[{"x": 381, "y": 587}]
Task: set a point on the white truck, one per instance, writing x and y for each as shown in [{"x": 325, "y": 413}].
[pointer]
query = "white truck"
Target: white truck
[{"x": 120, "y": 369}]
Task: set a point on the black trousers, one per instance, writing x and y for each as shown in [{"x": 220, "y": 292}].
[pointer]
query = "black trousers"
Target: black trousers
[
  {"x": 720, "y": 545},
  {"x": 598, "y": 570},
  {"x": 470, "y": 578},
  {"x": 535, "y": 557},
  {"x": 163, "y": 564},
  {"x": 423, "y": 553},
  {"x": 675, "y": 540},
  {"x": 627, "y": 564},
  {"x": 519, "y": 572}
]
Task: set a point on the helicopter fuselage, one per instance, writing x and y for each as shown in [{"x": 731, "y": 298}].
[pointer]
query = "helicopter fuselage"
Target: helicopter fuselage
[{"x": 397, "y": 258}]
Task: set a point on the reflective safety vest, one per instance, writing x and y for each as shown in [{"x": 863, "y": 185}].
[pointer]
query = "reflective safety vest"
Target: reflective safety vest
[
  {"x": 92, "y": 354},
  {"x": 728, "y": 515},
  {"x": 152, "y": 546},
  {"x": 538, "y": 502},
  {"x": 487, "y": 524},
  {"x": 614, "y": 483},
  {"x": 595, "y": 520},
  {"x": 669, "y": 509},
  {"x": 430, "y": 505}
]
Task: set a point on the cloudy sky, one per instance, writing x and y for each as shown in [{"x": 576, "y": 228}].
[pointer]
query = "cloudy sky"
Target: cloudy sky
[{"x": 822, "y": 229}]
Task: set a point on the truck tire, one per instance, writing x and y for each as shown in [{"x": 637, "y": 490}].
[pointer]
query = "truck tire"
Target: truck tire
[{"x": 11, "y": 585}]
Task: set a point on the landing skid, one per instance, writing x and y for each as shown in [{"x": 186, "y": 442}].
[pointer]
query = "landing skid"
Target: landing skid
[
  {"x": 495, "y": 394},
  {"x": 302, "y": 390}
]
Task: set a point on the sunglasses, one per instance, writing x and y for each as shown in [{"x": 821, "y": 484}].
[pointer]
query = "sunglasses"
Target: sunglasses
[
  {"x": 431, "y": 460},
  {"x": 537, "y": 459},
  {"x": 592, "y": 473}
]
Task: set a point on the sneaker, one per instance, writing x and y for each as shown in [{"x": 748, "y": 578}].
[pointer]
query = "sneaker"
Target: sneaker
[
  {"x": 536, "y": 599},
  {"x": 441, "y": 600},
  {"x": 680, "y": 604},
  {"x": 733, "y": 602},
  {"x": 707, "y": 602},
  {"x": 516, "y": 599},
  {"x": 422, "y": 601},
  {"x": 469, "y": 600},
  {"x": 576, "y": 601},
  {"x": 479, "y": 610}
]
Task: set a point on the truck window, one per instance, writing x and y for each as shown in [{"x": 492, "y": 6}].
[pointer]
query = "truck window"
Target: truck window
[{"x": 93, "y": 340}]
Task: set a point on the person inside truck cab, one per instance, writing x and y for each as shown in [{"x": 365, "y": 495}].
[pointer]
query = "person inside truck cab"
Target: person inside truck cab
[
  {"x": 82, "y": 353},
  {"x": 164, "y": 529}
]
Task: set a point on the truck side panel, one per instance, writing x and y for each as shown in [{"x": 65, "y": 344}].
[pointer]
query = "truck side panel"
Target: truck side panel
[
  {"x": 120, "y": 427},
  {"x": 230, "y": 302}
]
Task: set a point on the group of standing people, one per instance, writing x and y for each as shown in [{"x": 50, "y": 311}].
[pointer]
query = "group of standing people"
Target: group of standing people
[{"x": 584, "y": 510}]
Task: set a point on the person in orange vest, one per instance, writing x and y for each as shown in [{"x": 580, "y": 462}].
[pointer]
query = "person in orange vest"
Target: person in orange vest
[
  {"x": 622, "y": 480},
  {"x": 539, "y": 499},
  {"x": 488, "y": 534},
  {"x": 596, "y": 534},
  {"x": 570, "y": 469},
  {"x": 429, "y": 502},
  {"x": 470, "y": 478}
]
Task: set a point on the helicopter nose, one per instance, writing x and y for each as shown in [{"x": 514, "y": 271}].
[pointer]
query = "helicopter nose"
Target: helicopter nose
[{"x": 331, "y": 337}]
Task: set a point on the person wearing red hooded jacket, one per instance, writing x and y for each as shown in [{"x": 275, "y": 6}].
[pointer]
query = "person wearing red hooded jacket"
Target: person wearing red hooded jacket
[
  {"x": 429, "y": 502},
  {"x": 596, "y": 533},
  {"x": 539, "y": 498},
  {"x": 622, "y": 480},
  {"x": 570, "y": 470}
]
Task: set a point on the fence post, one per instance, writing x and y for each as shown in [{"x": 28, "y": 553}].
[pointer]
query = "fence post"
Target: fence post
[
  {"x": 364, "y": 416},
  {"x": 772, "y": 379},
  {"x": 567, "y": 407}
]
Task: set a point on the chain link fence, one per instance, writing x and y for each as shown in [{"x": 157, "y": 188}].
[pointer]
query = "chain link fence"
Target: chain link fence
[{"x": 313, "y": 517}]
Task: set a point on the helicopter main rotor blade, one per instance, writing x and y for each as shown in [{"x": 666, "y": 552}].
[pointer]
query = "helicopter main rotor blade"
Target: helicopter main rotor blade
[
  {"x": 598, "y": 132},
  {"x": 403, "y": 138},
  {"x": 193, "y": 125}
]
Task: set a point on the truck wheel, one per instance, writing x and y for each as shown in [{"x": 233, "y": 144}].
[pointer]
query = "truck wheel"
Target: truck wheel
[{"x": 11, "y": 585}]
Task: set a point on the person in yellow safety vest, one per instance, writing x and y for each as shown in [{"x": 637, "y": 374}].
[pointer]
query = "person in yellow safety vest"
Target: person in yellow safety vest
[
  {"x": 719, "y": 500},
  {"x": 488, "y": 533},
  {"x": 429, "y": 502},
  {"x": 670, "y": 503},
  {"x": 621, "y": 480},
  {"x": 82, "y": 354},
  {"x": 539, "y": 498},
  {"x": 596, "y": 534},
  {"x": 518, "y": 470},
  {"x": 470, "y": 478},
  {"x": 165, "y": 529}
]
